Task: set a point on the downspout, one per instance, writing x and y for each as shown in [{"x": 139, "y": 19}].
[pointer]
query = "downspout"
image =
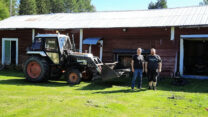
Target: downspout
[{"x": 80, "y": 40}]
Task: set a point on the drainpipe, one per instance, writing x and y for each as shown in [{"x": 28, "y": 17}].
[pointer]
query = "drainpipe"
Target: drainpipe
[
  {"x": 172, "y": 35},
  {"x": 101, "y": 50},
  {"x": 80, "y": 40},
  {"x": 33, "y": 35}
]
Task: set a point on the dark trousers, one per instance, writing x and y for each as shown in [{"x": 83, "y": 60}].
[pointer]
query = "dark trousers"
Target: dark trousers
[{"x": 152, "y": 75}]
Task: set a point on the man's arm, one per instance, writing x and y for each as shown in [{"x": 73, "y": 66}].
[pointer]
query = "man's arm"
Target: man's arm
[
  {"x": 143, "y": 66},
  {"x": 160, "y": 67},
  {"x": 132, "y": 65},
  {"x": 159, "y": 64},
  {"x": 146, "y": 64}
]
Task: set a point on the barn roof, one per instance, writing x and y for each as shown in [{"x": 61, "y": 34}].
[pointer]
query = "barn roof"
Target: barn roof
[{"x": 187, "y": 16}]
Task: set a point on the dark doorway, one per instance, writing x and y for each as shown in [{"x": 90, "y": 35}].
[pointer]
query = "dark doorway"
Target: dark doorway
[
  {"x": 124, "y": 56},
  {"x": 13, "y": 52},
  {"x": 196, "y": 57}
]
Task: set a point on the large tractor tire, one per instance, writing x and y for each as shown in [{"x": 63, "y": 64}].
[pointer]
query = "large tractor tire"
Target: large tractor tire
[
  {"x": 73, "y": 76},
  {"x": 36, "y": 69}
]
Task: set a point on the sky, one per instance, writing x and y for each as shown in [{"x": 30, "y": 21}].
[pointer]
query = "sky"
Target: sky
[{"x": 117, "y": 5}]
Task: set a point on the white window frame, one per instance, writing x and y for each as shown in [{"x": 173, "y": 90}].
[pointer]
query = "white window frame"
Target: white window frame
[
  {"x": 181, "y": 65},
  {"x": 3, "y": 49}
]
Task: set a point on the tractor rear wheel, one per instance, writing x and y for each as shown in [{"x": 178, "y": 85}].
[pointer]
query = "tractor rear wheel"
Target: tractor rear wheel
[
  {"x": 73, "y": 76},
  {"x": 36, "y": 69}
]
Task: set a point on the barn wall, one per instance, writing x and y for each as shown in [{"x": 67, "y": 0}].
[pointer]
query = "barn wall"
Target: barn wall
[
  {"x": 145, "y": 38},
  {"x": 116, "y": 38},
  {"x": 24, "y": 40},
  {"x": 133, "y": 38}
]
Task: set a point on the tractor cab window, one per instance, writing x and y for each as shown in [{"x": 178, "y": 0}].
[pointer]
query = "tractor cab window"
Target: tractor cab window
[
  {"x": 68, "y": 45},
  {"x": 37, "y": 45},
  {"x": 64, "y": 44},
  {"x": 51, "y": 45}
]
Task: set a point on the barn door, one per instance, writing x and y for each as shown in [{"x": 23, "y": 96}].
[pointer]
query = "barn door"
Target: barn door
[{"x": 9, "y": 51}]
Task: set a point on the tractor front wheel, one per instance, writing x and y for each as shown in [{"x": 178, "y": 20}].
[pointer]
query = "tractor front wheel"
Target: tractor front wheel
[
  {"x": 36, "y": 69},
  {"x": 73, "y": 76}
]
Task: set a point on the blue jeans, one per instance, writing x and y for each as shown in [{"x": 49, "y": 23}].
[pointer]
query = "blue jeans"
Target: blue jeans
[{"x": 137, "y": 74}]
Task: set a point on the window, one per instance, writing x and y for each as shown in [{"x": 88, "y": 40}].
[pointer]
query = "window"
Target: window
[
  {"x": 65, "y": 43},
  {"x": 51, "y": 45},
  {"x": 37, "y": 44}
]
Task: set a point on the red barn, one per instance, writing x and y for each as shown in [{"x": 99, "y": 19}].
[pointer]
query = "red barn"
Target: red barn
[{"x": 180, "y": 36}]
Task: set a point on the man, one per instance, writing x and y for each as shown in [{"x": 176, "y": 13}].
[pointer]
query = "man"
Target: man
[
  {"x": 137, "y": 66},
  {"x": 153, "y": 67}
]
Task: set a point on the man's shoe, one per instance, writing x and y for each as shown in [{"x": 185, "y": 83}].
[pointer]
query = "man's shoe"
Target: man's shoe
[
  {"x": 154, "y": 88},
  {"x": 149, "y": 88}
]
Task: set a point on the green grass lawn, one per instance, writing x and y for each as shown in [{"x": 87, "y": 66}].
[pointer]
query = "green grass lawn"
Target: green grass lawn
[{"x": 19, "y": 98}]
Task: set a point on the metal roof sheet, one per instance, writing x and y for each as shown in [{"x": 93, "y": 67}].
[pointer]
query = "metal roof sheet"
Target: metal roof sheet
[{"x": 187, "y": 16}]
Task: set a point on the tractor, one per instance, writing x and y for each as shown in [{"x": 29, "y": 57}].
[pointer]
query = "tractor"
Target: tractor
[{"x": 54, "y": 55}]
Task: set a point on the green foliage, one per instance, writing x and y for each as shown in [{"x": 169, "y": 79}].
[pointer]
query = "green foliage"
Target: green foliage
[
  {"x": 205, "y": 2},
  {"x": 4, "y": 11},
  {"x": 57, "y": 6},
  {"x": 42, "y": 7},
  {"x": 79, "y": 6},
  {"x": 158, "y": 5},
  {"x": 27, "y": 7}
]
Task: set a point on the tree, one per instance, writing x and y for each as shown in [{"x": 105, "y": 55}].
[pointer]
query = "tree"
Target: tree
[
  {"x": 42, "y": 7},
  {"x": 158, "y": 5},
  {"x": 27, "y": 7},
  {"x": 57, "y": 6},
  {"x": 79, "y": 6},
  {"x": 14, "y": 6},
  {"x": 205, "y": 2},
  {"x": 4, "y": 11}
]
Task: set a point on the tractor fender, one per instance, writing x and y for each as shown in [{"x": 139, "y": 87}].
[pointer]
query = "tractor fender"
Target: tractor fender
[{"x": 41, "y": 53}]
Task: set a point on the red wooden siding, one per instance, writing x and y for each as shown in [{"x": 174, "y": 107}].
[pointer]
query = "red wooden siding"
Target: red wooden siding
[{"x": 115, "y": 38}]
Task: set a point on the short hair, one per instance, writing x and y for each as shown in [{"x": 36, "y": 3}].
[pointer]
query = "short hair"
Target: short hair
[
  {"x": 153, "y": 49},
  {"x": 139, "y": 49}
]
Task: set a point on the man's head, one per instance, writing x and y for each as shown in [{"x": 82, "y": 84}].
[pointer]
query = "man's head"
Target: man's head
[
  {"x": 153, "y": 51},
  {"x": 139, "y": 51}
]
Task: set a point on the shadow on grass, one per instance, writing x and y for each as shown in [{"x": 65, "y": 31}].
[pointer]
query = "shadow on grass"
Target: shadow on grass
[
  {"x": 12, "y": 73},
  {"x": 99, "y": 84},
  {"x": 165, "y": 84},
  {"x": 121, "y": 91},
  {"x": 192, "y": 86},
  {"x": 22, "y": 82}
]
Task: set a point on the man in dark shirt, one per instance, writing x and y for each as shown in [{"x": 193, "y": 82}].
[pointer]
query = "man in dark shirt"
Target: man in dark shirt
[
  {"x": 153, "y": 66},
  {"x": 137, "y": 66}
]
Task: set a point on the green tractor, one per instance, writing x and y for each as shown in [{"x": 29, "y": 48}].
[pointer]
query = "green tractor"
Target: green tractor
[{"x": 54, "y": 55}]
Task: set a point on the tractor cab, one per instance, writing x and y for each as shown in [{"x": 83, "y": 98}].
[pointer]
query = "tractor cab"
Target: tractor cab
[{"x": 51, "y": 45}]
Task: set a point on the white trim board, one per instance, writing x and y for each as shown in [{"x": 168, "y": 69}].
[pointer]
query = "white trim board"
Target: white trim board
[
  {"x": 3, "y": 49},
  {"x": 194, "y": 36},
  {"x": 181, "y": 65}
]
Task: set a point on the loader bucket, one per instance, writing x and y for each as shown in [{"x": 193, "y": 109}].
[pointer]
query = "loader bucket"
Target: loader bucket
[{"x": 108, "y": 73}]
